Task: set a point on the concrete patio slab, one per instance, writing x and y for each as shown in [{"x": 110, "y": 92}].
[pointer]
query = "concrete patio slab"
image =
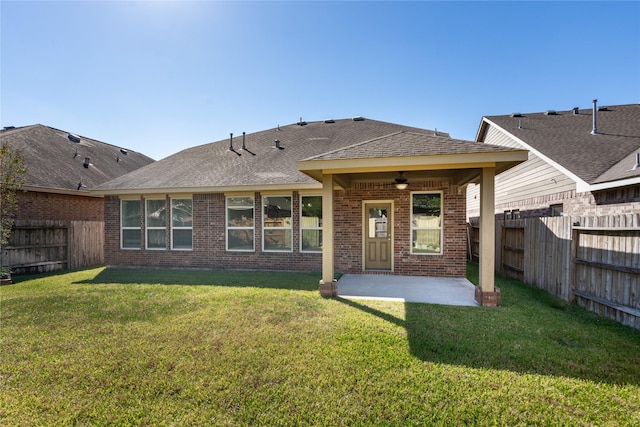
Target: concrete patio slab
[{"x": 430, "y": 290}]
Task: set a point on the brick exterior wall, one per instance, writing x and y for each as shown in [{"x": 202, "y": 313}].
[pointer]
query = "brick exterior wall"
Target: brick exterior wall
[
  {"x": 209, "y": 233},
  {"x": 348, "y": 230},
  {"x": 34, "y": 205}
]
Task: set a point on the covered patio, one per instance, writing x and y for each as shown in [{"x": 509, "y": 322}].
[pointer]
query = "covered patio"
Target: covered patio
[
  {"x": 429, "y": 290},
  {"x": 422, "y": 157}
]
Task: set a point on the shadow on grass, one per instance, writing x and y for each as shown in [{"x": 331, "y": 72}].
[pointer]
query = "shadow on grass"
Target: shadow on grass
[
  {"x": 303, "y": 281},
  {"x": 532, "y": 333}
]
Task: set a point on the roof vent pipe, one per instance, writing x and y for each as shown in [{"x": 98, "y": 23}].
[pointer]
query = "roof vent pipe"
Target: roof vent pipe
[
  {"x": 231, "y": 145},
  {"x": 244, "y": 147},
  {"x": 594, "y": 131}
]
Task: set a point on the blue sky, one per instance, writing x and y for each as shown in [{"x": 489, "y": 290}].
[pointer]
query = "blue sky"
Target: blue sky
[{"x": 159, "y": 77}]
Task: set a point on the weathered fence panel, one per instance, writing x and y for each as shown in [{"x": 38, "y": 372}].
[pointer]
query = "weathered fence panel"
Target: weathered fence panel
[
  {"x": 594, "y": 260},
  {"x": 43, "y": 246},
  {"x": 37, "y": 247},
  {"x": 547, "y": 254},
  {"x": 512, "y": 248},
  {"x": 86, "y": 243},
  {"x": 606, "y": 258}
]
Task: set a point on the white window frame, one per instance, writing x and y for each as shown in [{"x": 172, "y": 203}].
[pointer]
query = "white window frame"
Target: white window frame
[
  {"x": 147, "y": 228},
  {"x": 413, "y": 228},
  {"x": 308, "y": 228},
  {"x": 172, "y": 227},
  {"x": 290, "y": 227},
  {"x": 122, "y": 228},
  {"x": 228, "y": 228}
]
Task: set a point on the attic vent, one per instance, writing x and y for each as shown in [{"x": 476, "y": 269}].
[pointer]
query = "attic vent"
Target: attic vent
[
  {"x": 277, "y": 145},
  {"x": 550, "y": 113},
  {"x": 301, "y": 122},
  {"x": 603, "y": 109},
  {"x": 637, "y": 165},
  {"x": 87, "y": 162},
  {"x": 576, "y": 111},
  {"x": 9, "y": 127},
  {"x": 358, "y": 119},
  {"x": 329, "y": 121},
  {"x": 74, "y": 138},
  {"x": 516, "y": 115},
  {"x": 123, "y": 151}
]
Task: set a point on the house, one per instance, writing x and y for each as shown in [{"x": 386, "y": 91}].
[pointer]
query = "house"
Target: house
[
  {"x": 61, "y": 169},
  {"x": 582, "y": 162},
  {"x": 352, "y": 195}
]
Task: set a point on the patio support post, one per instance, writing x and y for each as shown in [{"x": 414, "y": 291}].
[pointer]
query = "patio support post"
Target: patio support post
[
  {"x": 328, "y": 285},
  {"x": 487, "y": 294}
]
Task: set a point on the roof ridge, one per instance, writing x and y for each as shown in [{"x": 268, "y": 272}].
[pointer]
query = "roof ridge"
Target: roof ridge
[
  {"x": 568, "y": 111},
  {"x": 346, "y": 147},
  {"x": 12, "y": 129}
]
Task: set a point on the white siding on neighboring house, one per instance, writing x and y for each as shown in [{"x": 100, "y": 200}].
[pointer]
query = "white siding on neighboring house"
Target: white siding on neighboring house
[{"x": 530, "y": 181}]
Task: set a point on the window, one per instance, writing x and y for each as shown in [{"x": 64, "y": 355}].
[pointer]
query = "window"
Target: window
[
  {"x": 311, "y": 223},
  {"x": 130, "y": 220},
  {"x": 426, "y": 223},
  {"x": 181, "y": 224},
  {"x": 156, "y": 223},
  {"x": 240, "y": 228},
  {"x": 557, "y": 210},
  {"x": 277, "y": 224}
]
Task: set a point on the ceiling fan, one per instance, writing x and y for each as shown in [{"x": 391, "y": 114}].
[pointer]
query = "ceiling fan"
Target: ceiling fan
[{"x": 401, "y": 182}]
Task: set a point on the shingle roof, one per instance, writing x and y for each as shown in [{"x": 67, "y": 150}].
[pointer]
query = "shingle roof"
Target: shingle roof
[
  {"x": 213, "y": 165},
  {"x": 408, "y": 143},
  {"x": 566, "y": 138},
  {"x": 56, "y": 162}
]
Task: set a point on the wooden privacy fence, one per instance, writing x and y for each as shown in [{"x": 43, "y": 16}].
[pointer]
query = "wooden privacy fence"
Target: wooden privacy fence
[
  {"x": 593, "y": 260},
  {"x": 43, "y": 246}
]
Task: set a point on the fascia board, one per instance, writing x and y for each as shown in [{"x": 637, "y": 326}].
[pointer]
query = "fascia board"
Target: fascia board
[
  {"x": 414, "y": 163},
  {"x": 482, "y": 129},
  {"x": 212, "y": 189},
  {"x": 608, "y": 185},
  {"x": 37, "y": 189}
]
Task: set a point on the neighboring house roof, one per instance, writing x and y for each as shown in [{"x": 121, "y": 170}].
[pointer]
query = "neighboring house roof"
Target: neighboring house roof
[
  {"x": 55, "y": 159},
  {"x": 564, "y": 139},
  {"x": 213, "y": 167}
]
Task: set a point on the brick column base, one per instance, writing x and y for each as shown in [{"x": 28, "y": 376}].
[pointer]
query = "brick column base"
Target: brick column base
[
  {"x": 488, "y": 299},
  {"x": 328, "y": 290}
]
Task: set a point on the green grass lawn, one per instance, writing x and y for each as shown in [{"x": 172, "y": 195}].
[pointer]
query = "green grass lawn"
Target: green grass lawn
[{"x": 149, "y": 347}]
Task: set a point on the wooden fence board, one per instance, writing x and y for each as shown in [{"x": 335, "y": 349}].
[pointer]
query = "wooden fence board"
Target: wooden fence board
[
  {"x": 596, "y": 257},
  {"x": 43, "y": 246}
]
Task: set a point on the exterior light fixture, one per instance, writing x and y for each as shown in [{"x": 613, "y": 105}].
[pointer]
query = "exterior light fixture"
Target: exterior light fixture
[{"x": 401, "y": 182}]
